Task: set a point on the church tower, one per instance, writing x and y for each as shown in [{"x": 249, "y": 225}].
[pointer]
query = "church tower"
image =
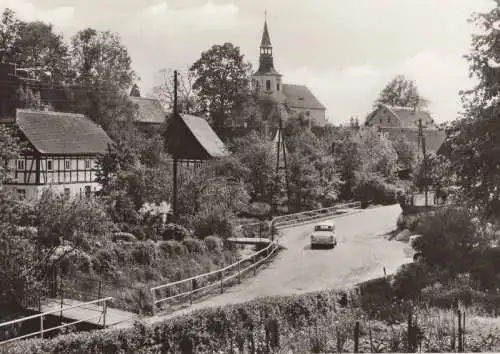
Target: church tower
[{"x": 268, "y": 78}]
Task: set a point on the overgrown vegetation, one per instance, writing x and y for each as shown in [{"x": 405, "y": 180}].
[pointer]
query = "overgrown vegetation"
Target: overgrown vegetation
[{"x": 316, "y": 322}]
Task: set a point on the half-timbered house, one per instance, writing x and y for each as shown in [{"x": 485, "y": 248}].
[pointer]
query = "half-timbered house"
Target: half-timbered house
[{"x": 60, "y": 152}]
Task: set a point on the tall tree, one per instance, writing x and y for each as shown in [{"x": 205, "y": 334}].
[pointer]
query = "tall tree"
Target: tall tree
[
  {"x": 474, "y": 138},
  {"x": 187, "y": 99},
  {"x": 9, "y": 29},
  {"x": 401, "y": 92},
  {"x": 102, "y": 77},
  {"x": 222, "y": 82},
  {"x": 42, "y": 51},
  {"x": 9, "y": 150}
]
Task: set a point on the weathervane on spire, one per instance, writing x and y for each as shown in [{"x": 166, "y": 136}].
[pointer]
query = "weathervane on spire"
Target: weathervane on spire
[{"x": 265, "y": 15}]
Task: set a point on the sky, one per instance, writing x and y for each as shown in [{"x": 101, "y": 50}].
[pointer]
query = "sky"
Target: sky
[{"x": 344, "y": 51}]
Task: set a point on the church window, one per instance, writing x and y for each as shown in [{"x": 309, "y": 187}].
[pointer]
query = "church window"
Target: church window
[{"x": 268, "y": 85}]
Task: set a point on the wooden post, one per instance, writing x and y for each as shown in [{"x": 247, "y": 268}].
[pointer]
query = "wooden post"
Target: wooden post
[
  {"x": 61, "y": 293},
  {"x": 460, "y": 349},
  {"x": 174, "y": 155},
  {"x": 239, "y": 273},
  {"x": 463, "y": 332},
  {"x": 254, "y": 266},
  {"x": 41, "y": 326},
  {"x": 356, "y": 337},
  {"x": 410, "y": 333},
  {"x": 153, "y": 296},
  {"x": 221, "y": 281},
  {"x": 191, "y": 292},
  {"x": 104, "y": 311}
]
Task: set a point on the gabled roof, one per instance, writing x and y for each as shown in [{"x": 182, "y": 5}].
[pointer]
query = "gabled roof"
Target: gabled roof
[
  {"x": 266, "y": 40},
  {"x": 205, "y": 135},
  {"x": 62, "y": 133},
  {"x": 408, "y": 117},
  {"x": 149, "y": 110},
  {"x": 299, "y": 96},
  {"x": 434, "y": 138}
]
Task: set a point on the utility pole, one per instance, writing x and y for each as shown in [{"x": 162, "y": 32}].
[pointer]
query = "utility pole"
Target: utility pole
[
  {"x": 424, "y": 156},
  {"x": 280, "y": 149},
  {"x": 175, "y": 145}
]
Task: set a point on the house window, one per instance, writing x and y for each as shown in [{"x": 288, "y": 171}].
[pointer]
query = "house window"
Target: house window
[
  {"x": 308, "y": 113},
  {"x": 388, "y": 120},
  {"x": 67, "y": 164},
  {"x": 278, "y": 86},
  {"x": 88, "y": 164},
  {"x": 20, "y": 165},
  {"x": 268, "y": 85},
  {"x": 67, "y": 193},
  {"x": 50, "y": 165},
  {"x": 21, "y": 193}
]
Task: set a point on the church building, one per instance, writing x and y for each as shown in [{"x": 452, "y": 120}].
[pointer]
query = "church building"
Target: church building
[{"x": 292, "y": 100}]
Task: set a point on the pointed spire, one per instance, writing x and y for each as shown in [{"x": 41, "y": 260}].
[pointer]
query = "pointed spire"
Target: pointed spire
[{"x": 266, "y": 40}]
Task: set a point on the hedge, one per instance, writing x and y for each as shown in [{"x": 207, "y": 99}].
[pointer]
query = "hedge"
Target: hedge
[{"x": 218, "y": 330}]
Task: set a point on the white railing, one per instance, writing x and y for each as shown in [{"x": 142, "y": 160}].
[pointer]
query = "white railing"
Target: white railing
[
  {"x": 311, "y": 215},
  {"x": 187, "y": 288},
  {"x": 101, "y": 315}
]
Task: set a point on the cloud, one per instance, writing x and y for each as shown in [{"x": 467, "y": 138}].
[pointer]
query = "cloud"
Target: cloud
[
  {"x": 351, "y": 91},
  {"x": 164, "y": 19},
  {"x": 60, "y": 17}
]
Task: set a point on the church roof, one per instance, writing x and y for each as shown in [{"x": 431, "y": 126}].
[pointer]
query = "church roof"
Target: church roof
[
  {"x": 266, "y": 40},
  {"x": 299, "y": 96}
]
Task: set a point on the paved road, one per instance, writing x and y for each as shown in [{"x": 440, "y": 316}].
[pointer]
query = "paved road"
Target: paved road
[{"x": 362, "y": 252}]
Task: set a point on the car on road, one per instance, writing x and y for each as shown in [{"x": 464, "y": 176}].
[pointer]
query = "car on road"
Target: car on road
[{"x": 323, "y": 235}]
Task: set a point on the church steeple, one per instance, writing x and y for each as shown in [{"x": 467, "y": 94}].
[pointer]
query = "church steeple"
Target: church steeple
[
  {"x": 266, "y": 40},
  {"x": 266, "y": 62}
]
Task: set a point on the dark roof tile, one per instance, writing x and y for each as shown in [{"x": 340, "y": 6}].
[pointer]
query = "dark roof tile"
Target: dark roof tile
[
  {"x": 205, "y": 135},
  {"x": 149, "y": 111},
  {"x": 62, "y": 133}
]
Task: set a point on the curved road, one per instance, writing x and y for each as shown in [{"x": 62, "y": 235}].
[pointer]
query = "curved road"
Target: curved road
[{"x": 361, "y": 254}]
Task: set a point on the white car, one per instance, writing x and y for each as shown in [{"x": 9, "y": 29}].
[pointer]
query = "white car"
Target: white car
[{"x": 324, "y": 235}]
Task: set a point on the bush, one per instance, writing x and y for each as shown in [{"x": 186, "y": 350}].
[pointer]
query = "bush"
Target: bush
[
  {"x": 448, "y": 238},
  {"x": 175, "y": 232},
  {"x": 212, "y": 222},
  {"x": 409, "y": 280},
  {"x": 214, "y": 244},
  {"x": 373, "y": 188},
  {"x": 171, "y": 248},
  {"x": 193, "y": 245}
]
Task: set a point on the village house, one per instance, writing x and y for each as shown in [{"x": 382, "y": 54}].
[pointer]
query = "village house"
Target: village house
[
  {"x": 292, "y": 100},
  {"x": 60, "y": 153},
  {"x": 150, "y": 113},
  {"x": 403, "y": 121}
]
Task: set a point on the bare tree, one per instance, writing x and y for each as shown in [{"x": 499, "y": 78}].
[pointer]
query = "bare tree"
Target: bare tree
[{"x": 187, "y": 100}]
